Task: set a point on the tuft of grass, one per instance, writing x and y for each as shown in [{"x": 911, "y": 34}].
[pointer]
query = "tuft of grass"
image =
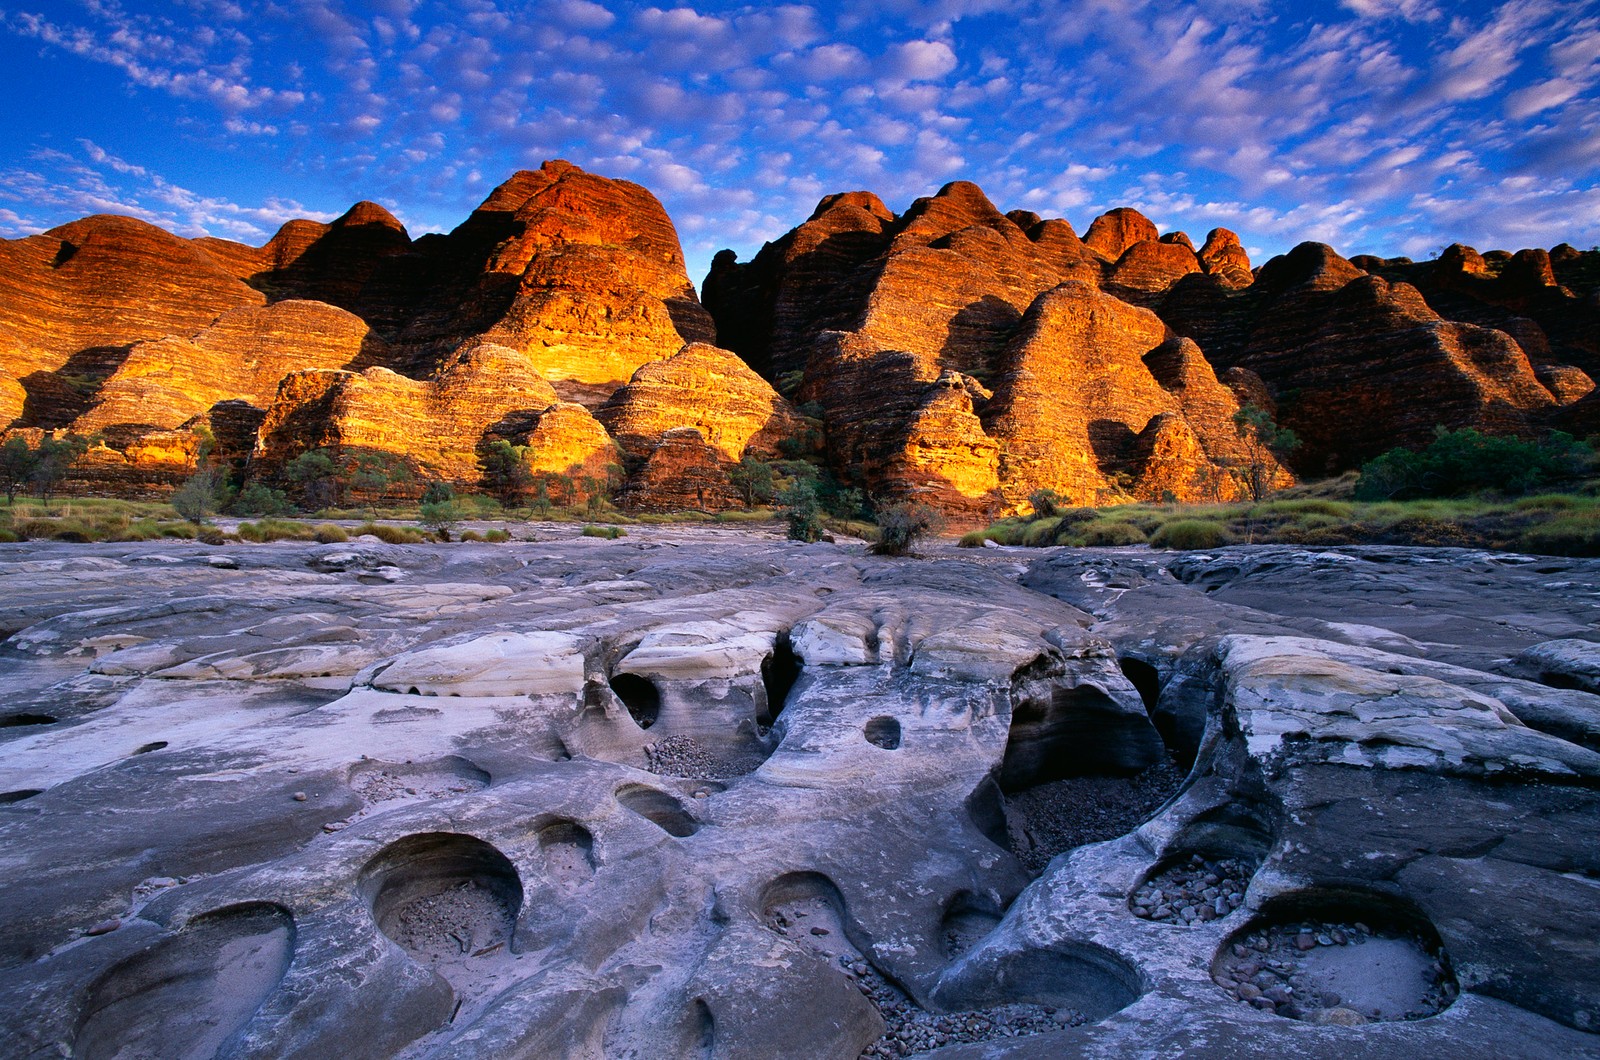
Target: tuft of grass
[
  {"x": 471, "y": 535},
  {"x": 330, "y": 534},
  {"x": 1042, "y": 532},
  {"x": 495, "y": 537},
  {"x": 609, "y": 532},
  {"x": 1566, "y": 535},
  {"x": 754, "y": 515},
  {"x": 1105, "y": 533},
  {"x": 391, "y": 535},
  {"x": 1190, "y": 534},
  {"x": 275, "y": 530}
]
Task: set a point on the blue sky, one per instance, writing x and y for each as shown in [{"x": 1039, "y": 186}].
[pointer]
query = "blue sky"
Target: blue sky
[{"x": 1380, "y": 126}]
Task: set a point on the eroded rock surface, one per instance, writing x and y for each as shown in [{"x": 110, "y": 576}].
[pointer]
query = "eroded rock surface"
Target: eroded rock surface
[{"x": 707, "y": 793}]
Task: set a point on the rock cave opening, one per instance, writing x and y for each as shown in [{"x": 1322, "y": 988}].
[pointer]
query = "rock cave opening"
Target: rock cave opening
[
  {"x": 640, "y": 696},
  {"x": 384, "y": 782},
  {"x": 883, "y": 731},
  {"x": 1338, "y": 957},
  {"x": 968, "y": 917},
  {"x": 17, "y": 721},
  {"x": 1086, "y": 980},
  {"x": 1143, "y": 677},
  {"x": 8, "y": 797},
  {"x": 1078, "y": 768},
  {"x": 145, "y": 749},
  {"x": 186, "y": 995},
  {"x": 659, "y": 808},
  {"x": 779, "y": 672}
]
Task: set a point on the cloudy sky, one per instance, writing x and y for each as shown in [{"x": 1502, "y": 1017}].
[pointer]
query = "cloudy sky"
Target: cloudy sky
[{"x": 1380, "y": 126}]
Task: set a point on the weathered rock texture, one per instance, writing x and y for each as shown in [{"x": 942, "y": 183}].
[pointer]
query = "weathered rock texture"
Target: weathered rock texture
[{"x": 707, "y": 793}]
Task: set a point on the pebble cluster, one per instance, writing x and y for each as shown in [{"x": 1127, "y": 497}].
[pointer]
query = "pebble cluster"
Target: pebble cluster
[
  {"x": 684, "y": 756},
  {"x": 1195, "y": 892},
  {"x": 1264, "y": 970},
  {"x": 912, "y": 1029}
]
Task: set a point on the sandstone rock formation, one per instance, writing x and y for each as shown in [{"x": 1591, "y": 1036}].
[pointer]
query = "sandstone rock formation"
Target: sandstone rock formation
[
  {"x": 1308, "y": 326},
  {"x": 437, "y": 423},
  {"x": 704, "y": 792},
  {"x": 873, "y": 316},
  {"x": 682, "y": 471},
  {"x": 709, "y": 389}
]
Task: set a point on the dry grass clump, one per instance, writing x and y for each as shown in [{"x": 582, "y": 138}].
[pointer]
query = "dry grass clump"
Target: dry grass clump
[
  {"x": 1188, "y": 534},
  {"x": 330, "y": 534}
]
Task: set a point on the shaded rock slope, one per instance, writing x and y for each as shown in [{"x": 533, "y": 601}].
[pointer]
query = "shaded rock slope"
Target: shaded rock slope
[
  {"x": 953, "y": 354},
  {"x": 708, "y": 793}
]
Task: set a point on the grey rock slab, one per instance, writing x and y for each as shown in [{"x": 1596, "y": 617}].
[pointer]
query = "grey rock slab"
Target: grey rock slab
[{"x": 700, "y": 791}]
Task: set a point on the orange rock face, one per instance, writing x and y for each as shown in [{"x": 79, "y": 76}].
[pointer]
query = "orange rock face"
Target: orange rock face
[
  {"x": 437, "y": 424},
  {"x": 684, "y": 471},
  {"x": 165, "y": 382},
  {"x": 1076, "y": 409},
  {"x": 710, "y": 389}
]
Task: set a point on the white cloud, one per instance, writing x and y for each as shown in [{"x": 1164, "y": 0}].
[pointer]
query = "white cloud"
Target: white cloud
[{"x": 919, "y": 60}]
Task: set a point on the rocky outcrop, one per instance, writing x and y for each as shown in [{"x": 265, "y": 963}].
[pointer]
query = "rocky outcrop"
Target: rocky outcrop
[
  {"x": 1114, "y": 232},
  {"x": 683, "y": 471},
  {"x": 1223, "y": 258},
  {"x": 565, "y": 449},
  {"x": 709, "y": 389},
  {"x": 581, "y": 274},
  {"x": 434, "y": 425},
  {"x": 663, "y": 795},
  {"x": 165, "y": 382},
  {"x": 1073, "y": 410},
  {"x": 1308, "y": 327}
]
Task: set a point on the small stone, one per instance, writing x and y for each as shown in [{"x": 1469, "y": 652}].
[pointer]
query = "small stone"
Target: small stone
[
  {"x": 1292, "y": 1011},
  {"x": 820, "y": 931},
  {"x": 1188, "y": 912},
  {"x": 1324, "y": 940},
  {"x": 1261, "y": 945},
  {"x": 1141, "y": 912},
  {"x": 1240, "y": 951},
  {"x": 1363, "y": 928},
  {"x": 1220, "y": 905},
  {"x": 334, "y": 826},
  {"x": 1279, "y": 994},
  {"x": 1264, "y": 1004},
  {"x": 1163, "y": 912},
  {"x": 1248, "y": 970},
  {"x": 1305, "y": 941},
  {"x": 1341, "y": 1017},
  {"x": 299, "y": 796},
  {"x": 1249, "y": 991},
  {"x": 105, "y": 927},
  {"x": 1340, "y": 937},
  {"x": 1328, "y": 999}
]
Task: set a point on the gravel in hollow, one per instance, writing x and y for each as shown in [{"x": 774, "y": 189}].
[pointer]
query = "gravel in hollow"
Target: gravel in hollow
[
  {"x": 1196, "y": 891},
  {"x": 913, "y": 1030},
  {"x": 1052, "y": 818},
  {"x": 684, "y": 756}
]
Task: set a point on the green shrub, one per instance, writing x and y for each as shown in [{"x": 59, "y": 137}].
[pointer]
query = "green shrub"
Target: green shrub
[
  {"x": 471, "y": 535},
  {"x": 211, "y": 535},
  {"x": 330, "y": 534},
  {"x": 1190, "y": 534},
  {"x": 902, "y": 525},
  {"x": 257, "y": 499},
  {"x": 973, "y": 539},
  {"x": 274, "y": 530},
  {"x": 8, "y": 538},
  {"x": 495, "y": 537},
  {"x": 185, "y": 531},
  {"x": 1074, "y": 516},
  {"x": 609, "y": 532},
  {"x": 1109, "y": 533},
  {"x": 1456, "y": 463},
  {"x": 1547, "y": 502},
  {"x": 1046, "y": 503}
]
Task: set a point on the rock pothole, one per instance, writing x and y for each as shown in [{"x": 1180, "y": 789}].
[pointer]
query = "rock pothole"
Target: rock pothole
[
  {"x": 567, "y": 849},
  {"x": 187, "y": 995},
  {"x": 883, "y": 731},
  {"x": 685, "y": 756},
  {"x": 451, "y": 902},
  {"x": 380, "y": 783},
  {"x": 659, "y": 808},
  {"x": 1337, "y": 971}
]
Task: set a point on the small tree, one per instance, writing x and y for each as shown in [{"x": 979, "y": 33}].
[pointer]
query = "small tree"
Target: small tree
[
  {"x": 316, "y": 476},
  {"x": 256, "y": 498},
  {"x": 1264, "y": 442},
  {"x": 17, "y": 463},
  {"x": 1047, "y": 503},
  {"x": 752, "y": 479},
  {"x": 54, "y": 458},
  {"x": 802, "y": 510},
  {"x": 540, "y": 502},
  {"x": 902, "y": 524},
  {"x": 377, "y": 473},
  {"x": 200, "y": 495},
  {"x": 439, "y": 516},
  {"x": 505, "y": 470}
]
